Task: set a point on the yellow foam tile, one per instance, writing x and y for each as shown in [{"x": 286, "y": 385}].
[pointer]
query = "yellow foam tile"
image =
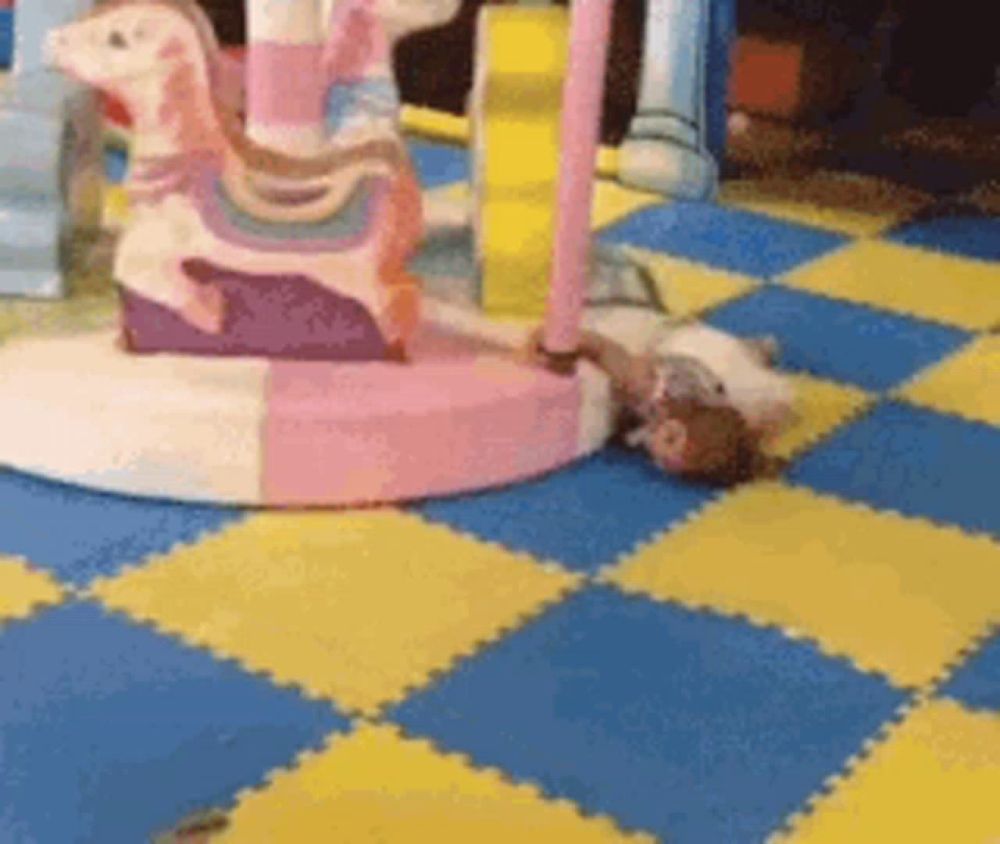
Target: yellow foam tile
[
  {"x": 688, "y": 288},
  {"x": 935, "y": 778},
  {"x": 820, "y": 407},
  {"x": 933, "y": 286},
  {"x": 23, "y": 590},
  {"x": 353, "y": 606},
  {"x": 859, "y": 206},
  {"x": 21, "y": 317},
  {"x": 613, "y": 201},
  {"x": 607, "y": 162},
  {"x": 967, "y": 384},
  {"x": 376, "y": 786},
  {"x": 865, "y": 585}
]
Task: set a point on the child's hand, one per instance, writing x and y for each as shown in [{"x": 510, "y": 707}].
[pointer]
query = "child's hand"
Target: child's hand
[{"x": 532, "y": 352}]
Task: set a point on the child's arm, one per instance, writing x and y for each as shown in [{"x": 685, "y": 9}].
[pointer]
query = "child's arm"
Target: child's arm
[{"x": 632, "y": 377}]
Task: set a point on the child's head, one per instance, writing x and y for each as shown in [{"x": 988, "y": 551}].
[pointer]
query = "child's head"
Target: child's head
[
  {"x": 710, "y": 402},
  {"x": 705, "y": 442}
]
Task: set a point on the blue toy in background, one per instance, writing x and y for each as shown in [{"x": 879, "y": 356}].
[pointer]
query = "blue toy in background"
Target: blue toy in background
[
  {"x": 6, "y": 37},
  {"x": 677, "y": 138},
  {"x": 50, "y": 158}
]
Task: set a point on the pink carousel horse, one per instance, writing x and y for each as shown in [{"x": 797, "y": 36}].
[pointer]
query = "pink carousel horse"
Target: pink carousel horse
[{"x": 232, "y": 248}]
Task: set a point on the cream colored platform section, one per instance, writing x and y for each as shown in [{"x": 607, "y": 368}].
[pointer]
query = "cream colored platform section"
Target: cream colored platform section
[{"x": 77, "y": 409}]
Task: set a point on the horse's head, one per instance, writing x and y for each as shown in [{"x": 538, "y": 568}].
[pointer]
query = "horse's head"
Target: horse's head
[{"x": 124, "y": 40}]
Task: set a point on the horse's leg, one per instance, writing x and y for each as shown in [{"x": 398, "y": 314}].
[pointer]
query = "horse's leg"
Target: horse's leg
[
  {"x": 139, "y": 261},
  {"x": 149, "y": 263},
  {"x": 400, "y": 229},
  {"x": 203, "y": 304},
  {"x": 400, "y": 310}
]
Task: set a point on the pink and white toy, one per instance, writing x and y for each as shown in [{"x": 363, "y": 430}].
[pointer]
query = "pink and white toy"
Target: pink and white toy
[
  {"x": 267, "y": 267},
  {"x": 232, "y": 248}
]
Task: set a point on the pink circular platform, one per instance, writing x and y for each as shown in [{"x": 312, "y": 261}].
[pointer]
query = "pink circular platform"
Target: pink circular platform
[{"x": 465, "y": 414}]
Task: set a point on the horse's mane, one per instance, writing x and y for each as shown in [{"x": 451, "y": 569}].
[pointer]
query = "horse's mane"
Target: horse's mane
[{"x": 257, "y": 158}]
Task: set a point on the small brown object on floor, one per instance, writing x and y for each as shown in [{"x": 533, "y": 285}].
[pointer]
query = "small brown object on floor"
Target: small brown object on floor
[{"x": 196, "y": 828}]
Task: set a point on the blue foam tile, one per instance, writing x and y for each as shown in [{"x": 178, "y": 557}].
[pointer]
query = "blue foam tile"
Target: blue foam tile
[
  {"x": 78, "y": 534},
  {"x": 110, "y": 732},
  {"x": 838, "y": 340},
  {"x": 115, "y": 164},
  {"x": 688, "y": 725},
  {"x": 584, "y": 517},
  {"x": 977, "y": 683},
  {"x": 967, "y": 235},
  {"x": 915, "y": 461},
  {"x": 439, "y": 164},
  {"x": 727, "y": 238}
]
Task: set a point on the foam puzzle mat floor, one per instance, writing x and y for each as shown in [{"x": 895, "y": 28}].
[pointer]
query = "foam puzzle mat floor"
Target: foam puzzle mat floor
[{"x": 602, "y": 655}]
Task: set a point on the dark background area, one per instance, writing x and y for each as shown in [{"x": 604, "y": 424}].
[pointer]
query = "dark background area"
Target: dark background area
[{"x": 875, "y": 61}]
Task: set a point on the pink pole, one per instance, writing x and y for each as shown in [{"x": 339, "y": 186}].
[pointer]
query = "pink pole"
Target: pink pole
[
  {"x": 285, "y": 84},
  {"x": 581, "y": 123}
]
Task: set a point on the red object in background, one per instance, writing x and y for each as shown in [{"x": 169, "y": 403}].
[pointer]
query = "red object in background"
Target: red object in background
[
  {"x": 767, "y": 77},
  {"x": 114, "y": 112}
]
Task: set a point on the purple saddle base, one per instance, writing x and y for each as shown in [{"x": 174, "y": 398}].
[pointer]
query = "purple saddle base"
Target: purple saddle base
[{"x": 272, "y": 316}]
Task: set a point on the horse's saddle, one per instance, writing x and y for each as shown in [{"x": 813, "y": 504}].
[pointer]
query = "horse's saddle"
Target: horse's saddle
[{"x": 347, "y": 227}]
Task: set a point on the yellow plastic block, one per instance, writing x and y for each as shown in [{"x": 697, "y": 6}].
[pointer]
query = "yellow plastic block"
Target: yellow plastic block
[
  {"x": 865, "y": 585},
  {"x": 958, "y": 291},
  {"x": 967, "y": 384},
  {"x": 936, "y": 778},
  {"x": 521, "y": 57},
  {"x": 375, "y": 786},
  {"x": 821, "y": 407},
  {"x": 116, "y": 207},
  {"x": 859, "y": 206},
  {"x": 688, "y": 288},
  {"x": 354, "y": 606},
  {"x": 23, "y": 590},
  {"x": 455, "y": 128}
]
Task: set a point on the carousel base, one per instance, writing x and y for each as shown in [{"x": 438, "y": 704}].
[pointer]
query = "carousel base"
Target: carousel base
[{"x": 464, "y": 414}]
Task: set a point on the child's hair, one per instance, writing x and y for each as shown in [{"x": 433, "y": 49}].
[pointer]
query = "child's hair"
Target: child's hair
[{"x": 721, "y": 449}]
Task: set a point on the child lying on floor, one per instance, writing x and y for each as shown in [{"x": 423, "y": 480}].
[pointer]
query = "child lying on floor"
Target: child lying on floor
[
  {"x": 679, "y": 411},
  {"x": 702, "y": 402}
]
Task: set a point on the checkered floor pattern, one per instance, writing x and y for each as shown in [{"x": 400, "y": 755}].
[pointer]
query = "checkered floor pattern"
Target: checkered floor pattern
[{"x": 603, "y": 655}]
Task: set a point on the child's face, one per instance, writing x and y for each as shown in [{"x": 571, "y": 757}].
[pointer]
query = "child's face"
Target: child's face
[
  {"x": 666, "y": 443},
  {"x": 710, "y": 442}
]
